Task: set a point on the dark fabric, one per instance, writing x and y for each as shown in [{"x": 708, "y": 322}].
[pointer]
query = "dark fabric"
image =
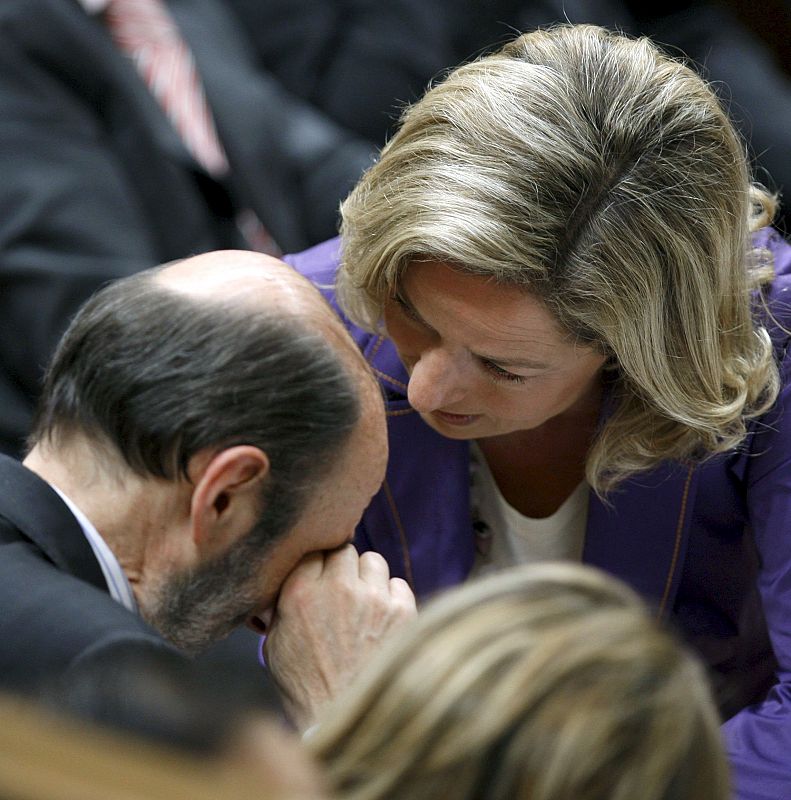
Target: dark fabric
[
  {"x": 359, "y": 61},
  {"x": 96, "y": 184},
  {"x": 56, "y": 611}
]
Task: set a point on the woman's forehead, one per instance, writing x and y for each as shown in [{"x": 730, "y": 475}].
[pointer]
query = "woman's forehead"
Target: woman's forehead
[{"x": 501, "y": 316}]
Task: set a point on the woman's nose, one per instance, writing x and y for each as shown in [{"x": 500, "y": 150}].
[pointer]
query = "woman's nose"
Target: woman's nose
[{"x": 435, "y": 382}]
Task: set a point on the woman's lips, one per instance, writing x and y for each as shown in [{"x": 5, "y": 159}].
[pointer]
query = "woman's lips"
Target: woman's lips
[{"x": 455, "y": 419}]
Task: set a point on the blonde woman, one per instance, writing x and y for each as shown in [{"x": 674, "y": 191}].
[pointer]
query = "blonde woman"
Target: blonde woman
[
  {"x": 558, "y": 271},
  {"x": 545, "y": 682}
]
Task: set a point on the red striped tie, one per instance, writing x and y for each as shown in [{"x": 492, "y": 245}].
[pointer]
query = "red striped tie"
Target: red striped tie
[{"x": 145, "y": 31}]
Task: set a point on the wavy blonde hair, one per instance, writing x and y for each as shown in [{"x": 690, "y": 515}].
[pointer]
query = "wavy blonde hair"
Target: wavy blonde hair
[
  {"x": 605, "y": 178},
  {"x": 544, "y": 682}
]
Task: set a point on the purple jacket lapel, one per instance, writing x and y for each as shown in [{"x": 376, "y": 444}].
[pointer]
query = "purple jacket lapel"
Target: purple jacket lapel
[{"x": 645, "y": 551}]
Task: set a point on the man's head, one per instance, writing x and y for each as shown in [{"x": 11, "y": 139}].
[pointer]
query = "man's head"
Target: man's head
[{"x": 217, "y": 400}]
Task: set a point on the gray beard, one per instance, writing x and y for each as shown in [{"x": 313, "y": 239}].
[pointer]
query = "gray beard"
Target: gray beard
[{"x": 196, "y": 608}]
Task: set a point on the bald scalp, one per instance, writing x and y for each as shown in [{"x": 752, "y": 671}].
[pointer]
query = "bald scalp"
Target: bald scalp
[
  {"x": 240, "y": 275},
  {"x": 258, "y": 282}
]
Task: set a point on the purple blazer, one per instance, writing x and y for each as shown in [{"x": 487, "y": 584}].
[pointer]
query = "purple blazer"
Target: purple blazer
[{"x": 708, "y": 545}]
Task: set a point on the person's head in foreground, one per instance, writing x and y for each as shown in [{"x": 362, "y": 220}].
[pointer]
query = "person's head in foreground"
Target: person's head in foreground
[
  {"x": 216, "y": 424},
  {"x": 46, "y": 755},
  {"x": 216, "y": 713},
  {"x": 546, "y": 682},
  {"x": 571, "y": 212}
]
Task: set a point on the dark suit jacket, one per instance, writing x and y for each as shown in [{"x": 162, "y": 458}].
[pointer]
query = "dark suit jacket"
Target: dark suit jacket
[
  {"x": 56, "y": 610},
  {"x": 359, "y": 61},
  {"x": 97, "y": 185}
]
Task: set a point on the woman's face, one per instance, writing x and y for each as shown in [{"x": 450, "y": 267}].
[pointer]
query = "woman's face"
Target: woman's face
[{"x": 484, "y": 359}]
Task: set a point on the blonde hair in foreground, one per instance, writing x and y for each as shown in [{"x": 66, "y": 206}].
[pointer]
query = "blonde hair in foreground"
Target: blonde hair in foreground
[
  {"x": 47, "y": 756},
  {"x": 605, "y": 178},
  {"x": 539, "y": 683}
]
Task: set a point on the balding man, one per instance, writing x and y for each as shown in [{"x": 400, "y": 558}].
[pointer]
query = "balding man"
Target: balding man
[{"x": 205, "y": 427}]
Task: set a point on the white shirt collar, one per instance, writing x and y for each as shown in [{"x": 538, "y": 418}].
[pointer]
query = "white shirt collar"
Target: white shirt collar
[
  {"x": 94, "y": 6},
  {"x": 117, "y": 582}
]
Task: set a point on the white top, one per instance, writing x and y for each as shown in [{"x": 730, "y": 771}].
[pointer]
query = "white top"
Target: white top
[
  {"x": 117, "y": 582},
  {"x": 508, "y": 538}
]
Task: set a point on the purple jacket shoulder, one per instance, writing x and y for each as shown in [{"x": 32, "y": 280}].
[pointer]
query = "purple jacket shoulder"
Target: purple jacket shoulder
[{"x": 319, "y": 265}]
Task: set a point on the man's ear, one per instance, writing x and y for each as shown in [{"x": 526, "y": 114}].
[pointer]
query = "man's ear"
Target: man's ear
[{"x": 226, "y": 500}]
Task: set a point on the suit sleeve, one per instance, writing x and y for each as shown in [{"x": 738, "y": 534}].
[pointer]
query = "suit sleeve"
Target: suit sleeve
[
  {"x": 67, "y": 220},
  {"x": 358, "y": 61},
  {"x": 758, "y": 738}
]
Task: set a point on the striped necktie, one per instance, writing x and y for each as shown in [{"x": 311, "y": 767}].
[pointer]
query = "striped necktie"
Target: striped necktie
[{"x": 146, "y": 32}]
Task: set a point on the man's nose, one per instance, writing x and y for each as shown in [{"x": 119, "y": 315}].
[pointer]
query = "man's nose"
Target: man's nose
[{"x": 435, "y": 382}]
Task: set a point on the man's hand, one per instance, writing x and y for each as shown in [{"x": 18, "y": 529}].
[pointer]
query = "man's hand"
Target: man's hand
[{"x": 334, "y": 610}]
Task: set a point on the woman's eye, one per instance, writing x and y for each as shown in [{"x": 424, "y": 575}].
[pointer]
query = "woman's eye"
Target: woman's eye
[
  {"x": 501, "y": 374},
  {"x": 406, "y": 309}
]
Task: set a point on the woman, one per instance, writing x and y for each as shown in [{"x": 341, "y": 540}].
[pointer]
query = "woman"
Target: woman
[
  {"x": 563, "y": 246},
  {"x": 544, "y": 682}
]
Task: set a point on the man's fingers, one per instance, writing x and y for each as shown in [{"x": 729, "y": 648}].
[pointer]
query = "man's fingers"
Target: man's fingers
[
  {"x": 373, "y": 569},
  {"x": 341, "y": 562},
  {"x": 328, "y": 625},
  {"x": 308, "y": 567},
  {"x": 403, "y": 596},
  {"x": 306, "y": 573}
]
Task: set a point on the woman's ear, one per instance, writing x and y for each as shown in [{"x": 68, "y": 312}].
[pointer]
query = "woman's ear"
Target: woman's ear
[{"x": 226, "y": 500}]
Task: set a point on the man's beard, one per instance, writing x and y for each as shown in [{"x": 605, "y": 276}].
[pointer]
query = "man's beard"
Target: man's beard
[{"x": 193, "y": 609}]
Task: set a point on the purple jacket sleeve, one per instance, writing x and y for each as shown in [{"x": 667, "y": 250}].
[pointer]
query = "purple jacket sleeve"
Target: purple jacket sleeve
[{"x": 758, "y": 738}]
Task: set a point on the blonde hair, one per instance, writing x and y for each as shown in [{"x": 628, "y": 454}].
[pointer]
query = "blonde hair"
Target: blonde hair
[
  {"x": 46, "y": 756},
  {"x": 547, "y": 682},
  {"x": 605, "y": 178}
]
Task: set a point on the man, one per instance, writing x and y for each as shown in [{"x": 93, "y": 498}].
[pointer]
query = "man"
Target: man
[
  {"x": 98, "y": 183},
  {"x": 204, "y": 428}
]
